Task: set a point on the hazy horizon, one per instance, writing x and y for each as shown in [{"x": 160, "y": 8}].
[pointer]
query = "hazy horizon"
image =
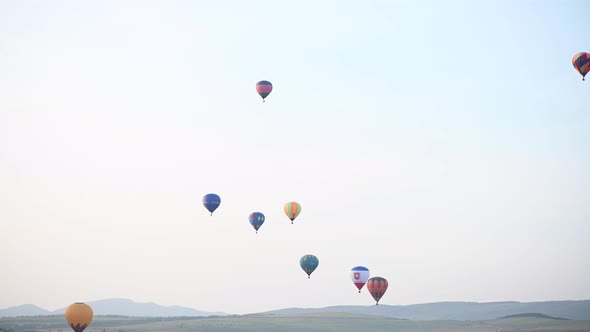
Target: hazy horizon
[
  {"x": 273, "y": 309},
  {"x": 456, "y": 310},
  {"x": 444, "y": 146}
]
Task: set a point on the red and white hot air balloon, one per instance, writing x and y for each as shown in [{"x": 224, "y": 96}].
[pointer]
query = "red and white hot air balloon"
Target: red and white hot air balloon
[{"x": 359, "y": 276}]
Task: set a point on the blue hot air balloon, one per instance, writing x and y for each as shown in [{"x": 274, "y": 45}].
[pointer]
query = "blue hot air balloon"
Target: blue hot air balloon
[
  {"x": 211, "y": 202},
  {"x": 309, "y": 263},
  {"x": 256, "y": 220}
]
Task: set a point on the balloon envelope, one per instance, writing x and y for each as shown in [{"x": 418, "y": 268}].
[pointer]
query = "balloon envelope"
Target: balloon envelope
[
  {"x": 292, "y": 210},
  {"x": 309, "y": 263},
  {"x": 256, "y": 220},
  {"x": 264, "y": 88},
  {"x": 581, "y": 62},
  {"x": 359, "y": 276},
  {"x": 211, "y": 202},
  {"x": 79, "y": 315},
  {"x": 377, "y": 287}
]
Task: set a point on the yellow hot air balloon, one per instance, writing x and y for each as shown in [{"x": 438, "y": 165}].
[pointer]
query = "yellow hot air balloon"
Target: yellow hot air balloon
[{"x": 79, "y": 315}]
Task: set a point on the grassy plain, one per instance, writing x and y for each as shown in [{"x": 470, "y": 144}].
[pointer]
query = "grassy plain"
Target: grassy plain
[{"x": 321, "y": 322}]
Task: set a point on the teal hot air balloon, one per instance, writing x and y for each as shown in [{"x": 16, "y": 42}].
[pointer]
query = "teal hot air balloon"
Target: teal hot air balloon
[{"x": 309, "y": 263}]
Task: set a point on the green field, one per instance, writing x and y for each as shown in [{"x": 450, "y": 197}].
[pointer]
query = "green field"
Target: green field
[{"x": 290, "y": 323}]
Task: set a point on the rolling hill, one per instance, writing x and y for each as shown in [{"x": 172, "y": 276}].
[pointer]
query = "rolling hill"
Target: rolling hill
[
  {"x": 458, "y": 310},
  {"x": 577, "y": 310}
]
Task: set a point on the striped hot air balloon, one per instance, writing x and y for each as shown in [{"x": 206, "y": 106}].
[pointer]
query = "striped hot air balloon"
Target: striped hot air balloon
[
  {"x": 292, "y": 210},
  {"x": 377, "y": 287},
  {"x": 264, "y": 88},
  {"x": 581, "y": 62}
]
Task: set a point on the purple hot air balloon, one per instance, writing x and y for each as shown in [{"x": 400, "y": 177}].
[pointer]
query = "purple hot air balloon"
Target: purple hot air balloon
[{"x": 263, "y": 88}]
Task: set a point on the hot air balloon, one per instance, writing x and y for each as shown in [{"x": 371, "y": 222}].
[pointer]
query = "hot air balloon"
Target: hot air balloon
[
  {"x": 581, "y": 62},
  {"x": 377, "y": 287},
  {"x": 79, "y": 315},
  {"x": 263, "y": 88},
  {"x": 256, "y": 220},
  {"x": 359, "y": 275},
  {"x": 292, "y": 210},
  {"x": 309, "y": 263},
  {"x": 211, "y": 202}
]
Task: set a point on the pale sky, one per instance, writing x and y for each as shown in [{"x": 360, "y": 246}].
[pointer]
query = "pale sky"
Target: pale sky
[{"x": 442, "y": 144}]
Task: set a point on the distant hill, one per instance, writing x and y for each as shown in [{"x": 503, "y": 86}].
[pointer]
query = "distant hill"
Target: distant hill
[
  {"x": 24, "y": 310},
  {"x": 533, "y": 315},
  {"x": 118, "y": 307},
  {"x": 126, "y": 307},
  {"x": 579, "y": 310}
]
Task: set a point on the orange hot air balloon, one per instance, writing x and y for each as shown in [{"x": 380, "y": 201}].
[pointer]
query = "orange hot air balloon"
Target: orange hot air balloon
[{"x": 79, "y": 315}]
